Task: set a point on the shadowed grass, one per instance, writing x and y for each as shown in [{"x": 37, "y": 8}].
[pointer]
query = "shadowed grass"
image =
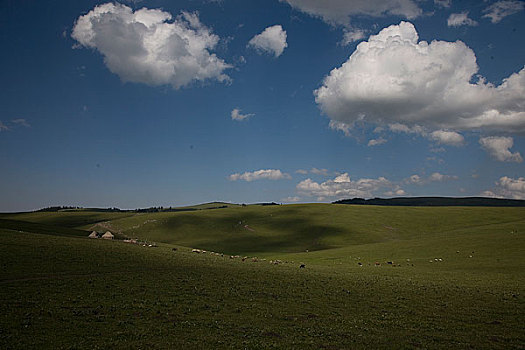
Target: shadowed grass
[{"x": 103, "y": 294}]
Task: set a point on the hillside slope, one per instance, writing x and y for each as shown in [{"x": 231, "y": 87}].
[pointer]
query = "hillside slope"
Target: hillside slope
[{"x": 108, "y": 294}]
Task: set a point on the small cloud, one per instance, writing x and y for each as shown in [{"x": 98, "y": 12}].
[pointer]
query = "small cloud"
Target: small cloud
[
  {"x": 435, "y": 177},
  {"x": 489, "y": 194},
  {"x": 268, "y": 174},
  {"x": 398, "y": 192},
  {"x": 236, "y": 115},
  {"x": 443, "y": 3},
  {"x": 501, "y": 9},
  {"x": 401, "y": 128},
  {"x": 339, "y": 126},
  {"x": 302, "y": 171},
  {"x": 499, "y": 148},
  {"x": 451, "y": 138},
  {"x": 375, "y": 142},
  {"x": 272, "y": 40},
  {"x": 414, "y": 179},
  {"x": 316, "y": 171},
  {"x": 460, "y": 19},
  {"x": 21, "y": 122},
  {"x": 291, "y": 199}
]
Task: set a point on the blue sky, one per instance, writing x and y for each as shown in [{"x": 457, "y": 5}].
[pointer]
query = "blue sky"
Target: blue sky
[{"x": 149, "y": 103}]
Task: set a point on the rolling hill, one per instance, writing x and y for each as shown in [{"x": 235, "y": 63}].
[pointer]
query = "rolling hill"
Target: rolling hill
[{"x": 374, "y": 277}]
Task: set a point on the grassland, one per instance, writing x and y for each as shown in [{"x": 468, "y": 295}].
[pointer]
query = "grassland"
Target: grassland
[{"x": 457, "y": 280}]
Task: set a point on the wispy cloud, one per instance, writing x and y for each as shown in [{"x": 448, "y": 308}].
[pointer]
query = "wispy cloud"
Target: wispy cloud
[
  {"x": 340, "y": 12},
  {"x": 21, "y": 122},
  {"x": 501, "y": 9},
  {"x": 237, "y": 115}
]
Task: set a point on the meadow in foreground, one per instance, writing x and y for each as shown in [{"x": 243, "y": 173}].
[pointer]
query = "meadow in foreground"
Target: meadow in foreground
[{"x": 455, "y": 280}]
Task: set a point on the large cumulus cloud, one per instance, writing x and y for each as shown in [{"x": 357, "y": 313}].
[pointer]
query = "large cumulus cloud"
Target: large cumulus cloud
[
  {"x": 148, "y": 46},
  {"x": 393, "y": 78}
]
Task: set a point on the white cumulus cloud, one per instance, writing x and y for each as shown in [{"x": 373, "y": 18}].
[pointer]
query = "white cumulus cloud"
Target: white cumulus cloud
[
  {"x": 501, "y": 9},
  {"x": 268, "y": 174},
  {"x": 499, "y": 148},
  {"x": 460, "y": 19},
  {"x": 342, "y": 187},
  {"x": 447, "y": 137},
  {"x": 339, "y": 12},
  {"x": 272, "y": 40},
  {"x": 395, "y": 79},
  {"x": 236, "y": 115},
  {"x": 508, "y": 187},
  {"x": 149, "y": 46},
  {"x": 514, "y": 188}
]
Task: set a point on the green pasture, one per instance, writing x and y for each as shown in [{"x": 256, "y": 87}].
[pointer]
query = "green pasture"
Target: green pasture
[{"x": 455, "y": 279}]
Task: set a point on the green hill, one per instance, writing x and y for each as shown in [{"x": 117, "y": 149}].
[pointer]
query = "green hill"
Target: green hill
[{"x": 374, "y": 277}]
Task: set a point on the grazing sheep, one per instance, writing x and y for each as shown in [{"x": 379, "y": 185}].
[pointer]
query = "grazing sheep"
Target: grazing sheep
[
  {"x": 302, "y": 266},
  {"x": 390, "y": 262},
  {"x": 360, "y": 264}
]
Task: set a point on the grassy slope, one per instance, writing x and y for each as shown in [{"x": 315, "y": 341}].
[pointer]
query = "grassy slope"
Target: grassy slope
[
  {"x": 74, "y": 219},
  {"x": 112, "y": 293},
  {"x": 102, "y": 294}
]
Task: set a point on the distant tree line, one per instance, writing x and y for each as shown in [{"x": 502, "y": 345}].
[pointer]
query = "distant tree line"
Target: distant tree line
[{"x": 436, "y": 202}]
